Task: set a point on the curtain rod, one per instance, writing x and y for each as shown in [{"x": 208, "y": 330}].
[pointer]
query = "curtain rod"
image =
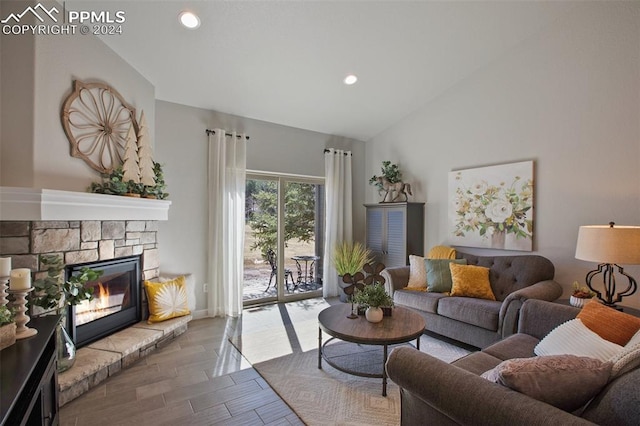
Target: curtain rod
[
  {"x": 210, "y": 132},
  {"x": 345, "y": 153}
]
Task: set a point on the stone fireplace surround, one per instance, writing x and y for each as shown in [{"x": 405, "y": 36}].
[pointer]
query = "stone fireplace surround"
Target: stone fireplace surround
[{"x": 31, "y": 225}]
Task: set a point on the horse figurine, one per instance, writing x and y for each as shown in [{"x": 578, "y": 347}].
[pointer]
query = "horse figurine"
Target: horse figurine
[{"x": 398, "y": 188}]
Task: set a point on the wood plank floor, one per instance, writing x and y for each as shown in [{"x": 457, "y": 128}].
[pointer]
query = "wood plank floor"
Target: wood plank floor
[{"x": 198, "y": 379}]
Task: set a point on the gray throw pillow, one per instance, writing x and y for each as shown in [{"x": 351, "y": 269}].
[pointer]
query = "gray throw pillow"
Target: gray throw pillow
[
  {"x": 564, "y": 381},
  {"x": 439, "y": 274}
]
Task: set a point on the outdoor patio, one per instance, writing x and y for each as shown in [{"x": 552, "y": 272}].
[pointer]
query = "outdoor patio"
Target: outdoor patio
[{"x": 256, "y": 280}]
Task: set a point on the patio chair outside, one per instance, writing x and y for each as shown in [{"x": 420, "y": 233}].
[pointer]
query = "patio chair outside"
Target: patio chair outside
[{"x": 271, "y": 257}]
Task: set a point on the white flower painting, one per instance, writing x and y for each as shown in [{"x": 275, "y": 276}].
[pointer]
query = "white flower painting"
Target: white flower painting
[{"x": 492, "y": 207}]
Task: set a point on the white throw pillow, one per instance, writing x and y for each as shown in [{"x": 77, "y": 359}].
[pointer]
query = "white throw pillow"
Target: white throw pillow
[
  {"x": 574, "y": 338},
  {"x": 628, "y": 358},
  {"x": 417, "y": 272}
]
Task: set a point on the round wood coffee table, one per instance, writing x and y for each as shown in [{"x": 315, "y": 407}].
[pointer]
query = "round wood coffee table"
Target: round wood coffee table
[{"x": 402, "y": 326}]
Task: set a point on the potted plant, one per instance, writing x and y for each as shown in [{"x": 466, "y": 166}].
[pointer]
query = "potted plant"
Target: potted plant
[
  {"x": 581, "y": 295},
  {"x": 52, "y": 293},
  {"x": 389, "y": 171},
  {"x": 7, "y": 327},
  {"x": 349, "y": 258},
  {"x": 374, "y": 297},
  {"x": 390, "y": 183}
]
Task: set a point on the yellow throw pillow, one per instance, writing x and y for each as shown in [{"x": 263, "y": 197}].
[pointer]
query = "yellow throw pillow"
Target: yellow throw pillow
[
  {"x": 417, "y": 274},
  {"x": 471, "y": 281},
  {"x": 608, "y": 323},
  {"x": 166, "y": 300}
]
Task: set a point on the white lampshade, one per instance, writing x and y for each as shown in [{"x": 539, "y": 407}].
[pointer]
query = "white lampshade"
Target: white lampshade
[{"x": 609, "y": 244}]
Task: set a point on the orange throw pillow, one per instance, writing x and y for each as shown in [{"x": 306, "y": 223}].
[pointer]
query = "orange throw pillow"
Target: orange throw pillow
[{"x": 608, "y": 323}]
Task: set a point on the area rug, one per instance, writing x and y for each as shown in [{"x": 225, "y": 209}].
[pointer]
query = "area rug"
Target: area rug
[{"x": 287, "y": 358}]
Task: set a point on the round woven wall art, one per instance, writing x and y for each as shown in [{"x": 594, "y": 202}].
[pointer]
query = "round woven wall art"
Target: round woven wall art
[{"x": 96, "y": 119}]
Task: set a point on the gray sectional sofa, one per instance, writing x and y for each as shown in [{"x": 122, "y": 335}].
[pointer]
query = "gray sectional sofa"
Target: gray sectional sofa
[
  {"x": 480, "y": 322},
  {"x": 434, "y": 392}
]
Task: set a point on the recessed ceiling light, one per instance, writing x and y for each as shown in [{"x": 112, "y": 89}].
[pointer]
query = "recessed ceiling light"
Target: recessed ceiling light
[
  {"x": 350, "y": 79},
  {"x": 189, "y": 20}
]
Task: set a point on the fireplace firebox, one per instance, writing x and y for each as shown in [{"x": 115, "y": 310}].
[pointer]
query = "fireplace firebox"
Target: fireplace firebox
[{"x": 116, "y": 300}]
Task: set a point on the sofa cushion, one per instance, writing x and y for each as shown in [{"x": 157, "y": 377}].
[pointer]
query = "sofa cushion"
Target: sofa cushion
[
  {"x": 439, "y": 274},
  {"x": 515, "y": 346},
  {"x": 564, "y": 381},
  {"x": 608, "y": 323},
  {"x": 510, "y": 273},
  {"x": 617, "y": 404},
  {"x": 478, "y": 312},
  {"x": 470, "y": 281},
  {"x": 417, "y": 273},
  {"x": 422, "y": 301},
  {"x": 574, "y": 338}
]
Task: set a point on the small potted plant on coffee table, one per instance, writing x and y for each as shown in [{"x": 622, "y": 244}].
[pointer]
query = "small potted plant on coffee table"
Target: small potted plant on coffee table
[
  {"x": 374, "y": 297},
  {"x": 581, "y": 295}
]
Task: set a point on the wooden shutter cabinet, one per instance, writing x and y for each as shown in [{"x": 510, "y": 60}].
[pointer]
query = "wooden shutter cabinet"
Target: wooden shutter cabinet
[{"x": 394, "y": 231}]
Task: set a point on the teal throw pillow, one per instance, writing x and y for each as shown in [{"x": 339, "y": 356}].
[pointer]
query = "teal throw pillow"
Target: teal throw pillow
[{"x": 439, "y": 274}]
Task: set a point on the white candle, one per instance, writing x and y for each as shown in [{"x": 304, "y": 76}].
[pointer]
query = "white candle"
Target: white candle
[
  {"x": 5, "y": 266},
  {"x": 20, "y": 279}
]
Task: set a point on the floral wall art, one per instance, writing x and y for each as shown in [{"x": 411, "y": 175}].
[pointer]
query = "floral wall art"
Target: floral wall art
[{"x": 492, "y": 207}]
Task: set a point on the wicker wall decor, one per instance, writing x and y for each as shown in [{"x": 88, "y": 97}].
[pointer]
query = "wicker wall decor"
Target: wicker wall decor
[{"x": 96, "y": 119}]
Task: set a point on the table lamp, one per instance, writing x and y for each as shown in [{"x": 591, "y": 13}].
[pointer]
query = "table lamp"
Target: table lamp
[{"x": 610, "y": 246}]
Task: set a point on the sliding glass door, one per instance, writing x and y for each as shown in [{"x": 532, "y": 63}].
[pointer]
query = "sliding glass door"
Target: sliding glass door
[{"x": 284, "y": 237}]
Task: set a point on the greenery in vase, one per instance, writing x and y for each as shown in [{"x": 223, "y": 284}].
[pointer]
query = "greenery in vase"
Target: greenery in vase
[
  {"x": 52, "y": 292},
  {"x": 582, "y": 292},
  {"x": 6, "y": 316},
  {"x": 373, "y": 295},
  {"x": 389, "y": 171},
  {"x": 350, "y": 257}
]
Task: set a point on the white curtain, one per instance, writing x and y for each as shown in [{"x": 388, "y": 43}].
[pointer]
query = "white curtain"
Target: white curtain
[
  {"x": 339, "y": 226},
  {"x": 227, "y": 174}
]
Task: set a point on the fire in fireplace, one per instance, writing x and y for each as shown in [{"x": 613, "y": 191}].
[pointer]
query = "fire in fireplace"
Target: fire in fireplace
[{"x": 115, "y": 304}]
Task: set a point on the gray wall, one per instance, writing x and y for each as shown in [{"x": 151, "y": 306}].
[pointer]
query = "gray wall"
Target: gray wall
[
  {"x": 37, "y": 76},
  {"x": 181, "y": 145},
  {"x": 569, "y": 99}
]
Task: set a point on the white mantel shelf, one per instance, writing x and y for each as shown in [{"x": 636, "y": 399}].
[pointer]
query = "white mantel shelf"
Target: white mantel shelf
[{"x": 29, "y": 204}]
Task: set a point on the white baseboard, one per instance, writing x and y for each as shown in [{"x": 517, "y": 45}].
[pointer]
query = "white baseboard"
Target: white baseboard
[{"x": 202, "y": 313}]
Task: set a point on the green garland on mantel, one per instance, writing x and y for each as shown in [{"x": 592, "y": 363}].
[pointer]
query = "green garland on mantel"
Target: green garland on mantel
[{"x": 113, "y": 184}]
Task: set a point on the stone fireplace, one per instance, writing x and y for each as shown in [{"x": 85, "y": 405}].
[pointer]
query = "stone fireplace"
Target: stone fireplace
[
  {"x": 94, "y": 229},
  {"x": 81, "y": 243},
  {"x": 80, "y": 227}
]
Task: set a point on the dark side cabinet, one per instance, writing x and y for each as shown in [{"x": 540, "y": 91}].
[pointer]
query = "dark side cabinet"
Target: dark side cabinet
[
  {"x": 394, "y": 231},
  {"x": 28, "y": 377}
]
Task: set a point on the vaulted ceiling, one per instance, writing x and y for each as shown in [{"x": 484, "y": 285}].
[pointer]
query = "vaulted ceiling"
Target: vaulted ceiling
[{"x": 285, "y": 61}]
